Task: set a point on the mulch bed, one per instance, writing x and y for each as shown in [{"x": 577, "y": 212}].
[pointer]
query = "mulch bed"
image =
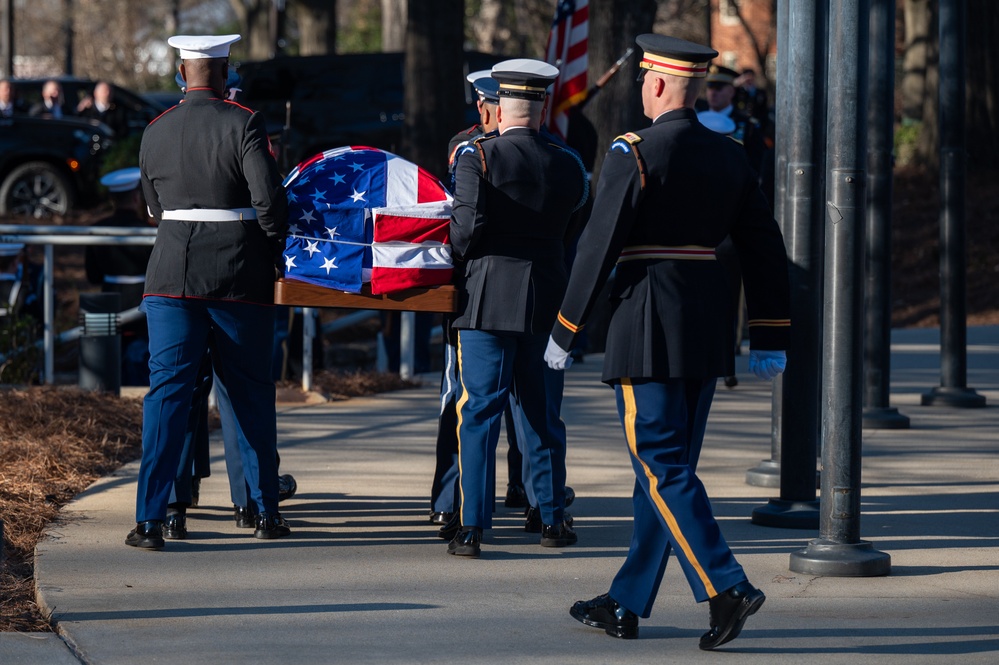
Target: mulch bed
[{"x": 57, "y": 441}]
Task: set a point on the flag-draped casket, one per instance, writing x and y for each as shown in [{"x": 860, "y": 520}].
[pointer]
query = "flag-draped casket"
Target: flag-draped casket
[{"x": 359, "y": 215}]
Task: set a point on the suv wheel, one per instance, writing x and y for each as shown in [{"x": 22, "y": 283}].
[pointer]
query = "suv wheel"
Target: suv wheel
[{"x": 36, "y": 189}]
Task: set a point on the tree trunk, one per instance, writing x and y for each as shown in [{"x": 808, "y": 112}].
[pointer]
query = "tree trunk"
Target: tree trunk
[
  {"x": 254, "y": 21},
  {"x": 618, "y": 108},
  {"x": 982, "y": 85},
  {"x": 393, "y": 25},
  {"x": 434, "y": 101},
  {"x": 929, "y": 136},
  {"x": 316, "y": 21},
  {"x": 917, "y": 40}
]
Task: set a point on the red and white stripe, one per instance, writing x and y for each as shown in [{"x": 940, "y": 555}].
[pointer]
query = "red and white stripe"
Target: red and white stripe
[{"x": 567, "y": 49}]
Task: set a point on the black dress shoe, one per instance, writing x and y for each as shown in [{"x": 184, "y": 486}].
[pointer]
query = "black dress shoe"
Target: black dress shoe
[
  {"x": 533, "y": 522},
  {"x": 466, "y": 543},
  {"x": 731, "y": 381},
  {"x": 175, "y": 527},
  {"x": 440, "y": 518},
  {"x": 286, "y": 487},
  {"x": 557, "y": 535},
  {"x": 729, "y": 611},
  {"x": 516, "y": 497},
  {"x": 244, "y": 517},
  {"x": 570, "y": 496},
  {"x": 451, "y": 529},
  {"x": 146, "y": 535},
  {"x": 271, "y": 525},
  {"x": 604, "y": 612}
]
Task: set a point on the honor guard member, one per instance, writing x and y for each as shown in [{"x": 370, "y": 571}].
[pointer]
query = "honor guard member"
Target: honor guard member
[
  {"x": 121, "y": 269},
  {"x": 209, "y": 178},
  {"x": 444, "y": 490},
  {"x": 514, "y": 195},
  {"x": 667, "y": 197},
  {"x": 720, "y": 94}
]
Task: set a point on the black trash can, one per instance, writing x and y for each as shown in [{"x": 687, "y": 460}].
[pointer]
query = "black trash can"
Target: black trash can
[{"x": 100, "y": 343}]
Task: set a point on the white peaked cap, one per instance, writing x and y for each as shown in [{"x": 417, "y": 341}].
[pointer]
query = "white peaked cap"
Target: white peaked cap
[
  {"x": 122, "y": 180},
  {"x": 194, "y": 47}
]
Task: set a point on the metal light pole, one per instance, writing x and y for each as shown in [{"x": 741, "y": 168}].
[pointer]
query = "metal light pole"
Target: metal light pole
[
  {"x": 839, "y": 551},
  {"x": 800, "y": 143},
  {"x": 880, "y": 135},
  {"x": 7, "y": 39},
  {"x": 953, "y": 390}
]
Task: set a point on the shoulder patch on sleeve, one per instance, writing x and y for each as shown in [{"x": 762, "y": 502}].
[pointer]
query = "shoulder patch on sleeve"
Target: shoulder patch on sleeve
[{"x": 625, "y": 141}]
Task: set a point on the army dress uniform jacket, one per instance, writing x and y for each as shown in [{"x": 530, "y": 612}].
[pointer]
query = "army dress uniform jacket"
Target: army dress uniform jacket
[
  {"x": 671, "y": 302},
  {"x": 209, "y": 153},
  {"x": 514, "y": 196}
]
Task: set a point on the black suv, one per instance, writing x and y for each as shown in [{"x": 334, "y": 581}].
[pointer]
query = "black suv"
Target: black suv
[
  {"x": 49, "y": 166},
  {"x": 336, "y": 100}
]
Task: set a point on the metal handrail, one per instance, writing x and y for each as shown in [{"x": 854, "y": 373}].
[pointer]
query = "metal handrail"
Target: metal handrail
[{"x": 49, "y": 236}]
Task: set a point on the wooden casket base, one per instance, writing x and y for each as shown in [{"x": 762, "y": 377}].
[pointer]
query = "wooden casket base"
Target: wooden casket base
[{"x": 426, "y": 299}]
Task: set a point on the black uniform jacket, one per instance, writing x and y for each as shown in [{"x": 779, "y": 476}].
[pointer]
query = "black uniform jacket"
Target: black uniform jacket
[
  {"x": 210, "y": 153},
  {"x": 672, "y": 318},
  {"x": 514, "y": 195}
]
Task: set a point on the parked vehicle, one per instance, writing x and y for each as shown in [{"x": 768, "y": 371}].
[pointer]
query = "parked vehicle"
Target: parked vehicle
[{"x": 48, "y": 167}]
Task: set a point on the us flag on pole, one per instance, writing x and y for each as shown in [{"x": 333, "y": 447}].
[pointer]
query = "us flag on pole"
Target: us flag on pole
[
  {"x": 359, "y": 214},
  {"x": 567, "y": 46}
]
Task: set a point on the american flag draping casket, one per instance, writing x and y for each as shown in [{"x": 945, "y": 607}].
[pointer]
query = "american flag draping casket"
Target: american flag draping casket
[{"x": 359, "y": 214}]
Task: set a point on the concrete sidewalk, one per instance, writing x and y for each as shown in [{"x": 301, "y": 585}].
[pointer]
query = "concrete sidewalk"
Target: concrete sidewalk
[{"x": 364, "y": 579}]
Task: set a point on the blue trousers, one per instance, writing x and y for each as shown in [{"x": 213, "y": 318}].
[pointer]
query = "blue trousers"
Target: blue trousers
[
  {"x": 179, "y": 330},
  {"x": 444, "y": 491},
  {"x": 664, "y": 427},
  {"x": 492, "y": 366}
]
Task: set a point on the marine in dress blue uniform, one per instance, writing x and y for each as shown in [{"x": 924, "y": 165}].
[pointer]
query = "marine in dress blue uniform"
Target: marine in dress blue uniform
[
  {"x": 210, "y": 179},
  {"x": 667, "y": 196},
  {"x": 514, "y": 196}
]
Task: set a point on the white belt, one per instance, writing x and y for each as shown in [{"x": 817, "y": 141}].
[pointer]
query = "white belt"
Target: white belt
[
  {"x": 124, "y": 279},
  {"x": 210, "y": 215}
]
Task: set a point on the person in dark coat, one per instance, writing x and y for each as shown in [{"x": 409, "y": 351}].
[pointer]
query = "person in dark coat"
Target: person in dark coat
[
  {"x": 121, "y": 269},
  {"x": 720, "y": 94},
  {"x": 52, "y": 104},
  {"x": 667, "y": 196},
  {"x": 209, "y": 178},
  {"x": 514, "y": 196},
  {"x": 102, "y": 107}
]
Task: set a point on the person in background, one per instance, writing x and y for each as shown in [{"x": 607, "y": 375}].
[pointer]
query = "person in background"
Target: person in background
[
  {"x": 720, "y": 95},
  {"x": 52, "y": 104},
  {"x": 670, "y": 335},
  {"x": 101, "y": 107},
  {"x": 10, "y": 104}
]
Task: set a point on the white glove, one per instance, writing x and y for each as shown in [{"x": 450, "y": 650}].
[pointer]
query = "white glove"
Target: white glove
[
  {"x": 766, "y": 365},
  {"x": 556, "y": 356}
]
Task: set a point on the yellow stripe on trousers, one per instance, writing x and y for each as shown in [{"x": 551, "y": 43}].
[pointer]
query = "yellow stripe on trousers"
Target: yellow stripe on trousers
[
  {"x": 630, "y": 415},
  {"x": 457, "y": 408}
]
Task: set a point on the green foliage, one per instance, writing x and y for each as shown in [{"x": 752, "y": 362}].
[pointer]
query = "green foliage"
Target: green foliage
[
  {"x": 361, "y": 29},
  {"x": 124, "y": 153},
  {"x": 21, "y": 358},
  {"x": 907, "y": 141}
]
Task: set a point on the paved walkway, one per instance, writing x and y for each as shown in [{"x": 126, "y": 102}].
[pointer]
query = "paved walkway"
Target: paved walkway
[{"x": 363, "y": 579}]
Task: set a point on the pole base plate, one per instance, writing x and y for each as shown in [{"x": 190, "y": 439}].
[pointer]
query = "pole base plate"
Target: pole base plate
[{"x": 826, "y": 558}]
